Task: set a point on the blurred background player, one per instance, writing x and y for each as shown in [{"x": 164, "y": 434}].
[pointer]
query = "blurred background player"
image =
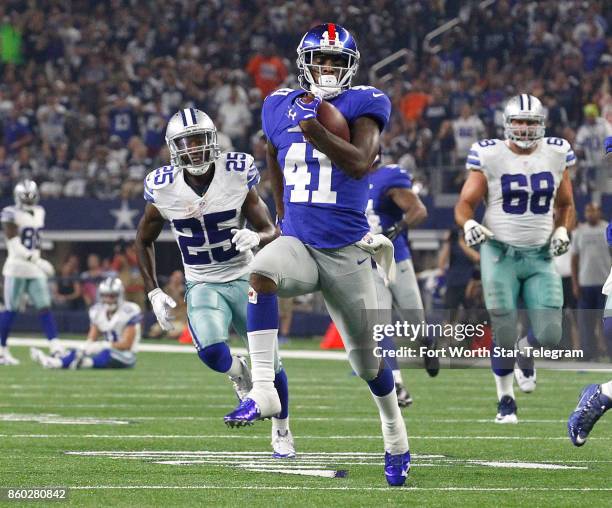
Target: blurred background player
[
  {"x": 524, "y": 179},
  {"x": 116, "y": 320},
  {"x": 25, "y": 272},
  {"x": 320, "y": 188},
  {"x": 207, "y": 196},
  {"x": 393, "y": 207}
]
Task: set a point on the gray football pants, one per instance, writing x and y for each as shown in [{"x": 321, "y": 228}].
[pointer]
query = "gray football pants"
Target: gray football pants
[
  {"x": 403, "y": 296},
  {"x": 344, "y": 277}
]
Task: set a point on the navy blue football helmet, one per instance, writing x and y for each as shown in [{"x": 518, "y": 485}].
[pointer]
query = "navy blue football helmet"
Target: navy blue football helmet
[{"x": 319, "y": 78}]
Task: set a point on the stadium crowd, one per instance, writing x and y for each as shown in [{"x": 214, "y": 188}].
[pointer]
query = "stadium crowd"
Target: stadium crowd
[{"x": 88, "y": 86}]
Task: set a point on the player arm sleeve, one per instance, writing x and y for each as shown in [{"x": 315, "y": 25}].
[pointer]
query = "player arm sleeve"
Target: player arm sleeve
[
  {"x": 570, "y": 157},
  {"x": 474, "y": 160},
  {"x": 377, "y": 106}
]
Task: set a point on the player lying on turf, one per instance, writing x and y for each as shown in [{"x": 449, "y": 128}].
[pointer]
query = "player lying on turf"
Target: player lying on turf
[
  {"x": 207, "y": 196},
  {"x": 525, "y": 183},
  {"x": 24, "y": 271},
  {"x": 116, "y": 320},
  {"x": 320, "y": 188},
  {"x": 393, "y": 207},
  {"x": 595, "y": 400}
]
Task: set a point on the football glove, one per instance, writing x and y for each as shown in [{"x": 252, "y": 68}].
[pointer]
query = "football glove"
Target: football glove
[
  {"x": 300, "y": 110},
  {"x": 245, "y": 239},
  {"x": 162, "y": 305},
  {"x": 394, "y": 231},
  {"x": 45, "y": 266},
  {"x": 559, "y": 242},
  {"x": 476, "y": 233}
]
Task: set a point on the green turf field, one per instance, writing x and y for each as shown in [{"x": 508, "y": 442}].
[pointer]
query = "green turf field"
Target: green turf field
[{"x": 159, "y": 439}]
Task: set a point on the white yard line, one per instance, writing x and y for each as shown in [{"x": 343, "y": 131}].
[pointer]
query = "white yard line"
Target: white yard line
[{"x": 302, "y": 487}]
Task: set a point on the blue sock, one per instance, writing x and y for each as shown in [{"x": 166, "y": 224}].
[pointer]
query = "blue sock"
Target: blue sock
[
  {"x": 6, "y": 321},
  {"x": 102, "y": 359},
  {"x": 68, "y": 358},
  {"x": 217, "y": 357},
  {"x": 501, "y": 365},
  {"x": 282, "y": 388},
  {"x": 382, "y": 384},
  {"x": 263, "y": 313},
  {"x": 388, "y": 344},
  {"x": 48, "y": 324}
]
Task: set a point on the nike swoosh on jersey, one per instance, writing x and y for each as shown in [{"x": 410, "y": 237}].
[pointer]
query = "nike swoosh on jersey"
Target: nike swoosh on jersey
[
  {"x": 360, "y": 262},
  {"x": 377, "y": 94}
]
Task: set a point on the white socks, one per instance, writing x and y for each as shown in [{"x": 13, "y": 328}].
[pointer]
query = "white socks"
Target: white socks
[
  {"x": 261, "y": 350},
  {"x": 236, "y": 367},
  {"x": 280, "y": 424},
  {"x": 606, "y": 389},
  {"x": 393, "y": 426},
  {"x": 504, "y": 385}
]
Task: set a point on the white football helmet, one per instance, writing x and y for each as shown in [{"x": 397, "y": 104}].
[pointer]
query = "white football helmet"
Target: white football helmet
[
  {"x": 26, "y": 194},
  {"x": 524, "y": 107},
  {"x": 110, "y": 293},
  {"x": 191, "y": 137}
]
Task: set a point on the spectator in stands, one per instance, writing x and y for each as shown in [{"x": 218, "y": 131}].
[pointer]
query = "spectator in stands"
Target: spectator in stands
[
  {"x": 414, "y": 102},
  {"x": 267, "y": 70},
  {"x": 467, "y": 129},
  {"x": 125, "y": 264},
  {"x": 457, "y": 261},
  {"x": 235, "y": 116},
  {"x": 90, "y": 279},
  {"x": 590, "y": 267},
  {"x": 66, "y": 289}
]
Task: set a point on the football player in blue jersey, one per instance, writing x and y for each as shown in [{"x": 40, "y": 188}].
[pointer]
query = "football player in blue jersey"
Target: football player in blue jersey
[
  {"x": 595, "y": 399},
  {"x": 320, "y": 186},
  {"x": 394, "y": 207}
]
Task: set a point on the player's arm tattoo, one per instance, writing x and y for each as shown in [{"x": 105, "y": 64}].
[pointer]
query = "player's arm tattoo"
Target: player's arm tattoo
[
  {"x": 565, "y": 210},
  {"x": 473, "y": 192},
  {"x": 415, "y": 211},
  {"x": 276, "y": 179},
  {"x": 354, "y": 158},
  {"x": 149, "y": 228},
  {"x": 127, "y": 339},
  {"x": 258, "y": 215}
]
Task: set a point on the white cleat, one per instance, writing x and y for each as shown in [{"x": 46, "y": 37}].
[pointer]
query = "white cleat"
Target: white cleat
[
  {"x": 242, "y": 383},
  {"x": 48, "y": 362},
  {"x": 7, "y": 358},
  {"x": 56, "y": 349},
  {"x": 282, "y": 444},
  {"x": 527, "y": 384}
]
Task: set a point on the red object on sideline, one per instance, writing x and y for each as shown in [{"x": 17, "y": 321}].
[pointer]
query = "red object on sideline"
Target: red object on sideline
[
  {"x": 185, "y": 337},
  {"x": 332, "y": 339}
]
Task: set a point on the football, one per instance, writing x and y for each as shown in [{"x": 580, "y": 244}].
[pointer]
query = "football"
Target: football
[{"x": 330, "y": 118}]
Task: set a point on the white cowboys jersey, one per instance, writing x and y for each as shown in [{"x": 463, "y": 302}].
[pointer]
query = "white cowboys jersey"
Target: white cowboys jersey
[
  {"x": 202, "y": 224},
  {"x": 29, "y": 223},
  {"x": 521, "y": 188},
  {"x": 128, "y": 313}
]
